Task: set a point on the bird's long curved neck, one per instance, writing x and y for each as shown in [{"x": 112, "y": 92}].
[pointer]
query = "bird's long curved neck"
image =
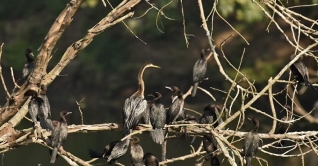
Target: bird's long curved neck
[
  {"x": 141, "y": 83},
  {"x": 256, "y": 127},
  {"x": 29, "y": 58},
  {"x": 157, "y": 99},
  {"x": 62, "y": 119}
]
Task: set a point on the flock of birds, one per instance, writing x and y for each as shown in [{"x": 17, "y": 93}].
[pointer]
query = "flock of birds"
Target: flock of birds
[{"x": 137, "y": 110}]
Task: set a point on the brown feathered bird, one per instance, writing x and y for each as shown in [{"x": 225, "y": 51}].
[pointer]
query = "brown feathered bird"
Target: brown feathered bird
[{"x": 136, "y": 152}]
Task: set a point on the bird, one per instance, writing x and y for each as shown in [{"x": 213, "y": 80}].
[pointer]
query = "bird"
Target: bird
[
  {"x": 175, "y": 110},
  {"x": 300, "y": 72},
  {"x": 199, "y": 70},
  {"x": 150, "y": 160},
  {"x": 29, "y": 65},
  {"x": 112, "y": 151},
  {"x": 44, "y": 113},
  {"x": 157, "y": 116},
  {"x": 39, "y": 110},
  {"x": 211, "y": 114},
  {"x": 136, "y": 152},
  {"x": 251, "y": 142},
  {"x": 284, "y": 127},
  {"x": 135, "y": 105},
  {"x": 210, "y": 146},
  {"x": 59, "y": 135}
]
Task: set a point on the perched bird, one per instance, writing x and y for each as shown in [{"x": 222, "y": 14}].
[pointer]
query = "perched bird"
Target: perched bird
[
  {"x": 111, "y": 152},
  {"x": 29, "y": 65},
  {"x": 135, "y": 105},
  {"x": 157, "y": 118},
  {"x": 39, "y": 110},
  {"x": 284, "y": 127},
  {"x": 136, "y": 152},
  {"x": 176, "y": 108},
  {"x": 59, "y": 135},
  {"x": 199, "y": 70},
  {"x": 150, "y": 160},
  {"x": 210, "y": 146},
  {"x": 300, "y": 72},
  {"x": 211, "y": 114},
  {"x": 251, "y": 142}
]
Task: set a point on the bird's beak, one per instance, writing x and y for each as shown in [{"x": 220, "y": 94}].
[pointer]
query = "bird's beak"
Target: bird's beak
[
  {"x": 169, "y": 88},
  {"x": 151, "y": 95},
  {"x": 68, "y": 113},
  {"x": 249, "y": 119},
  {"x": 155, "y": 66},
  {"x": 32, "y": 54}
]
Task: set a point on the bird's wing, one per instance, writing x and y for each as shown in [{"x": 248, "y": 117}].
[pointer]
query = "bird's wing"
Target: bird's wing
[
  {"x": 119, "y": 150},
  {"x": 33, "y": 109},
  {"x": 127, "y": 109},
  {"x": 139, "y": 106}
]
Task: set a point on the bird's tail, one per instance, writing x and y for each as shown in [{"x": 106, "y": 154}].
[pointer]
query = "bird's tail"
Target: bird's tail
[
  {"x": 248, "y": 160},
  {"x": 157, "y": 136},
  {"x": 308, "y": 84},
  {"x": 95, "y": 154},
  {"x": 53, "y": 156},
  {"x": 46, "y": 124},
  {"x": 194, "y": 89},
  {"x": 215, "y": 161}
]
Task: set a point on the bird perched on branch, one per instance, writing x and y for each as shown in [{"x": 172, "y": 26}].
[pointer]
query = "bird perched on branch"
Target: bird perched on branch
[
  {"x": 39, "y": 110},
  {"x": 150, "y": 160},
  {"x": 29, "y": 65},
  {"x": 59, "y": 135},
  {"x": 175, "y": 110},
  {"x": 284, "y": 127},
  {"x": 135, "y": 105},
  {"x": 251, "y": 142},
  {"x": 300, "y": 72},
  {"x": 199, "y": 70},
  {"x": 136, "y": 152},
  {"x": 112, "y": 152},
  {"x": 157, "y": 118}
]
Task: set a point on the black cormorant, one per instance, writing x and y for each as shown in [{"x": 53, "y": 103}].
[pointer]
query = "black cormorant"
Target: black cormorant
[
  {"x": 157, "y": 114},
  {"x": 211, "y": 113},
  {"x": 39, "y": 110},
  {"x": 176, "y": 108},
  {"x": 59, "y": 135},
  {"x": 251, "y": 142},
  {"x": 300, "y": 72},
  {"x": 135, "y": 105},
  {"x": 29, "y": 66},
  {"x": 136, "y": 152},
  {"x": 150, "y": 160},
  {"x": 199, "y": 70}
]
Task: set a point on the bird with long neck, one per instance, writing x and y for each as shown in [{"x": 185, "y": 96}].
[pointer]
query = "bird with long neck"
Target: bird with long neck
[
  {"x": 300, "y": 72},
  {"x": 284, "y": 127},
  {"x": 157, "y": 116},
  {"x": 135, "y": 105},
  {"x": 59, "y": 135},
  {"x": 176, "y": 108},
  {"x": 251, "y": 142},
  {"x": 29, "y": 65},
  {"x": 136, "y": 152},
  {"x": 199, "y": 70}
]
